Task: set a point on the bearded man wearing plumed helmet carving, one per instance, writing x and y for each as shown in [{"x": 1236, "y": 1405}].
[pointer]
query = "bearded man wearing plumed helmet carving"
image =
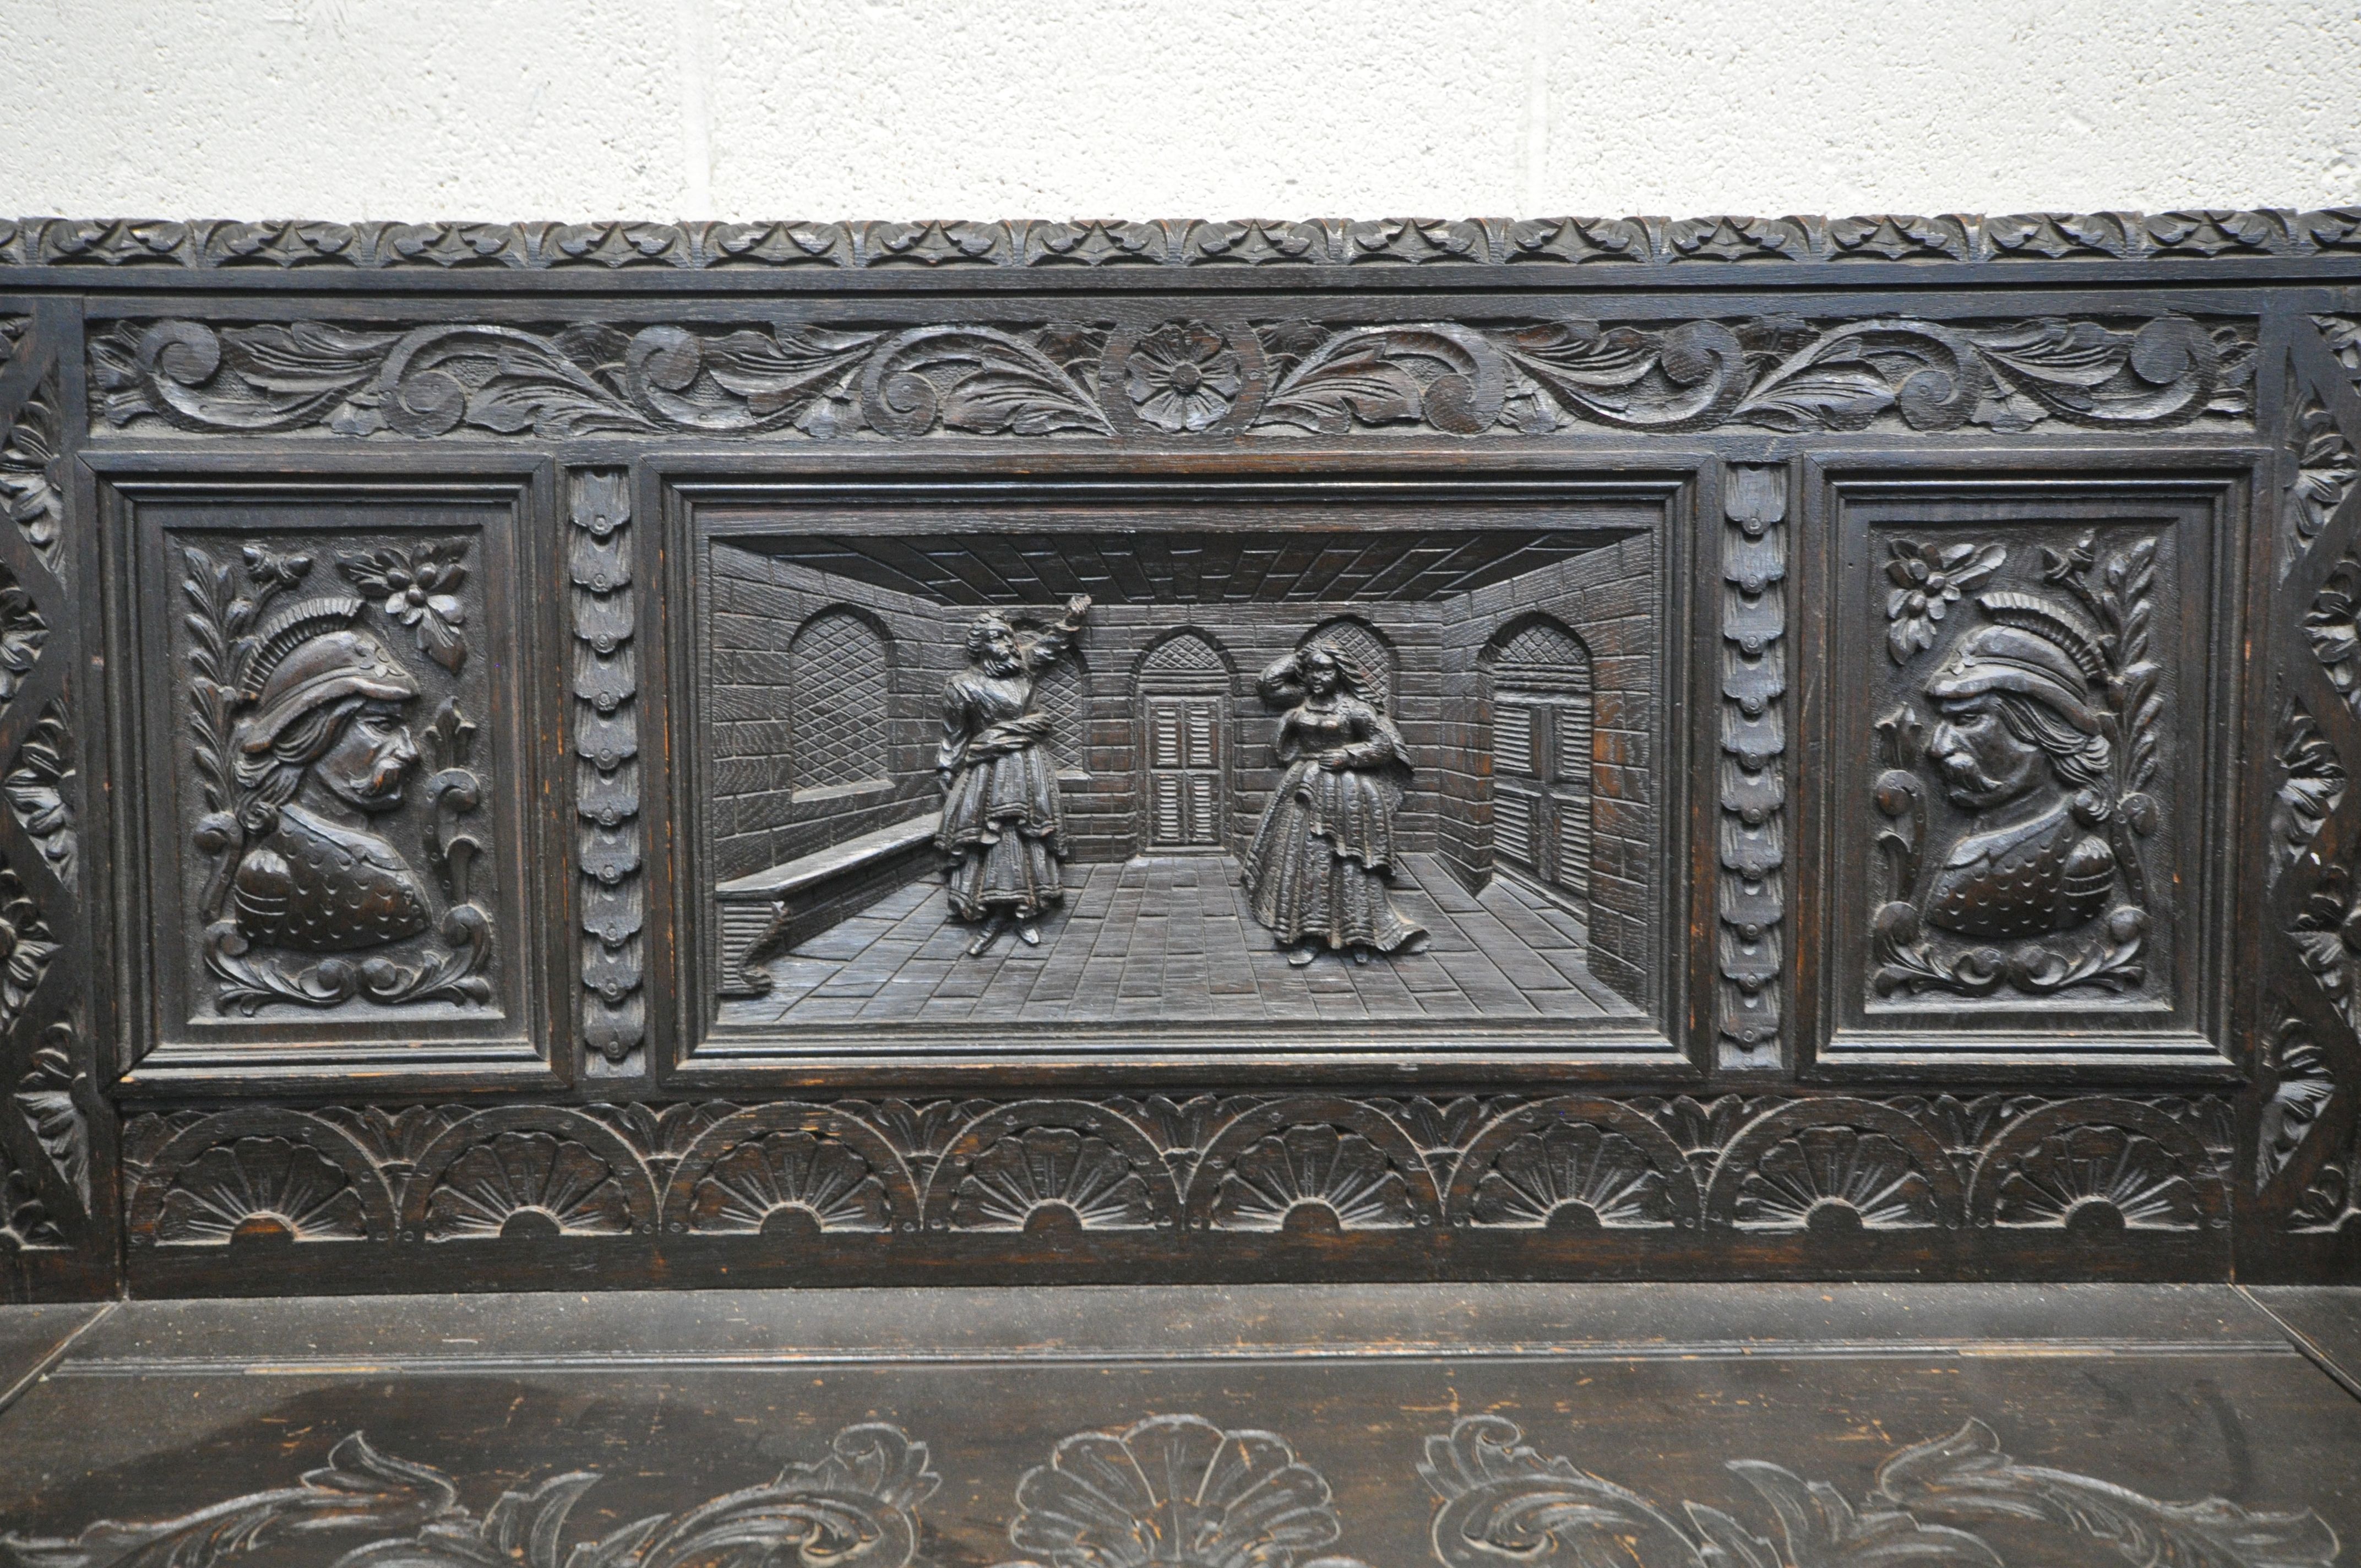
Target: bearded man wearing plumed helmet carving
[
  {"x": 322, "y": 749},
  {"x": 2021, "y": 746}
]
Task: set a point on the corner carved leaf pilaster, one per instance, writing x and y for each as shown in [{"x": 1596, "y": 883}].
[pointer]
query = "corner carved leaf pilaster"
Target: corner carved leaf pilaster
[
  {"x": 605, "y": 745},
  {"x": 1752, "y": 892}
]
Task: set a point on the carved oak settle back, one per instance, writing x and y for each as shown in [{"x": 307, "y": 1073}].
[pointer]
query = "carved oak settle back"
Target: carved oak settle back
[{"x": 783, "y": 753}]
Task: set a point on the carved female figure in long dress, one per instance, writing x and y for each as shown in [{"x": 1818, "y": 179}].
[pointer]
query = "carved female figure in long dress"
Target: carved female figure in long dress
[
  {"x": 1318, "y": 869},
  {"x": 1003, "y": 831}
]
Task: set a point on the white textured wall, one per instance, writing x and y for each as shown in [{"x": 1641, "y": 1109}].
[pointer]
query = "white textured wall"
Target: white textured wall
[{"x": 1151, "y": 108}]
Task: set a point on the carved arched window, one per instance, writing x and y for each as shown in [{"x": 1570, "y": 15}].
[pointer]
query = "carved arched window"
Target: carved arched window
[
  {"x": 1062, "y": 693},
  {"x": 1366, "y": 647},
  {"x": 840, "y": 669}
]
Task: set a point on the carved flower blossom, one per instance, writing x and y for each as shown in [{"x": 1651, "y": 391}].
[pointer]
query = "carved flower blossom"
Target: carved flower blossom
[
  {"x": 416, "y": 587},
  {"x": 1927, "y": 580},
  {"x": 2327, "y": 936},
  {"x": 32, "y": 476},
  {"x": 26, "y": 947},
  {"x": 2333, "y": 626},
  {"x": 1183, "y": 376},
  {"x": 22, "y": 633}
]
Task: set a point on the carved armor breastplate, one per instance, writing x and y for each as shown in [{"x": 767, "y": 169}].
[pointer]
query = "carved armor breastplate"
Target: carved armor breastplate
[
  {"x": 2043, "y": 876},
  {"x": 318, "y": 888}
]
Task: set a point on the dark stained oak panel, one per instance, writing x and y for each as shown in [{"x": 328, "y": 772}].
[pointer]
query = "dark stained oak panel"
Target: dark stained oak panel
[{"x": 607, "y": 755}]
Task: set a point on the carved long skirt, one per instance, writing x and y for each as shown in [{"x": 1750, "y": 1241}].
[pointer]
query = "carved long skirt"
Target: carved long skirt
[
  {"x": 1003, "y": 831},
  {"x": 1318, "y": 868}
]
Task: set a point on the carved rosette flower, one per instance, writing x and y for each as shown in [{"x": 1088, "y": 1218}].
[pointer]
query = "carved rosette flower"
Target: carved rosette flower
[
  {"x": 1053, "y": 1170},
  {"x": 415, "y": 588},
  {"x": 1318, "y": 1171},
  {"x": 261, "y": 1187},
  {"x": 785, "y": 1177},
  {"x": 1836, "y": 1177},
  {"x": 1183, "y": 376},
  {"x": 1573, "y": 1175},
  {"x": 2106, "y": 1174},
  {"x": 528, "y": 1183},
  {"x": 1174, "y": 1492},
  {"x": 1927, "y": 579}
]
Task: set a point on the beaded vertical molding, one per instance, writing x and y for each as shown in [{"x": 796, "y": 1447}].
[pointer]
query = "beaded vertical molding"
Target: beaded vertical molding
[
  {"x": 1751, "y": 892},
  {"x": 607, "y": 764}
]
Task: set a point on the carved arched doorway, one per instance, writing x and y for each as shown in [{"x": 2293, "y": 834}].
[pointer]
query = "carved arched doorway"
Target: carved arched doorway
[
  {"x": 1541, "y": 727},
  {"x": 1184, "y": 684}
]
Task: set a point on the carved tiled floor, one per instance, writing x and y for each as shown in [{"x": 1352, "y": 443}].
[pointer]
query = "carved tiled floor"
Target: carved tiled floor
[
  {"x": 1173, "y": 937},
  {"x": 1393, "y": 1426}
]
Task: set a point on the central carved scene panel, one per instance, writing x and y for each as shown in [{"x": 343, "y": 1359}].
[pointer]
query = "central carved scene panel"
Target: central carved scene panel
[{"x": 987, "y": 782}]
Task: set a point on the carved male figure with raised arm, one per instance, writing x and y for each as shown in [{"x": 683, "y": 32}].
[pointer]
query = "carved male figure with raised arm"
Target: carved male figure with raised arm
[{"x": 1004, "y": 829}]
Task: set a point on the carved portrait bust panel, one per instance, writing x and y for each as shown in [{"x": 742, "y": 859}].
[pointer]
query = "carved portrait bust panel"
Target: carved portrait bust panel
[
  {"x": 2029, "y": 674},
  {"x": 336, "y": 839}
]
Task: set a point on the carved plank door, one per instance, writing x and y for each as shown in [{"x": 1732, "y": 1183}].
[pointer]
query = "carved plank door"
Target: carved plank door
[
  {"x": 1541, "y": 766},
  {"x": 1185, "y": 780}
]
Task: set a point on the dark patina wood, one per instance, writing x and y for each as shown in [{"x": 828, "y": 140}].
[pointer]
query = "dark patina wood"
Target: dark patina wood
[{"x": 1593, "y": 748}]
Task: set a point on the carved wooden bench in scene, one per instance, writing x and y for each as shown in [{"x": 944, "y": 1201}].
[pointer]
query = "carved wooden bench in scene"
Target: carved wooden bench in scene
[{"x": 763, "y": 916}]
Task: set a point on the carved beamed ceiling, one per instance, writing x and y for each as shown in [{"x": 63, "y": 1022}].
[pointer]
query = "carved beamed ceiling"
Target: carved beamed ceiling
[{"x": 1184, "y": 566}]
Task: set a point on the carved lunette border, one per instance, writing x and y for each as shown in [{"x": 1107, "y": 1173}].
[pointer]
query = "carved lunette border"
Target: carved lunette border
[
  {"x": 1642, "y": 242},
  {"x": 1149, "y": 1173}
]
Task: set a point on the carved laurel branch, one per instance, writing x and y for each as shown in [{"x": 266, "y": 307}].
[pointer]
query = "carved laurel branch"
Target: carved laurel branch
[
  {"x": 1502, "y": 1502},
  {"x": 1316, "y": 1163},
  {"x": 1179, "y": 242},
  {"x": 606, "y": 744},
  {"x": 1751, "y": 896},
  {"x": 1184, "y": 379}
]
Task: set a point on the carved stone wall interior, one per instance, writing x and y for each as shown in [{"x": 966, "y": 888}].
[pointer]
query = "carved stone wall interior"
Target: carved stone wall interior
[{"x": 784, "y": 752}]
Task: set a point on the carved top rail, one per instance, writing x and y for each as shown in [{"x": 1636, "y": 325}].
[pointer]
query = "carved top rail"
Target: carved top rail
[{"x": 1605, "y": 248}]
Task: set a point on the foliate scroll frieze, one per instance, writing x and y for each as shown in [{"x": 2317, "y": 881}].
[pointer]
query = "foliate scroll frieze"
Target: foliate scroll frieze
[
  {"x": 856, "y": 1505},
  {"x": 1750, "y": 894},
  {"x": 1500, "y": 1499},
  {"x": 1656, "y": 242},
  {"x": 1184, "y": 379},
  {"x": 1146, "y": 1174},
  {"x": 609, "y": 845}
]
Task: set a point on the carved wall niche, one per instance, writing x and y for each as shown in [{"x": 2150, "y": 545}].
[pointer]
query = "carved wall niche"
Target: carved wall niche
[
  {"x": 2035, "y": 685},
  {"x": 337, "y": 863},
  {"x": 825, "y": 927}
]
